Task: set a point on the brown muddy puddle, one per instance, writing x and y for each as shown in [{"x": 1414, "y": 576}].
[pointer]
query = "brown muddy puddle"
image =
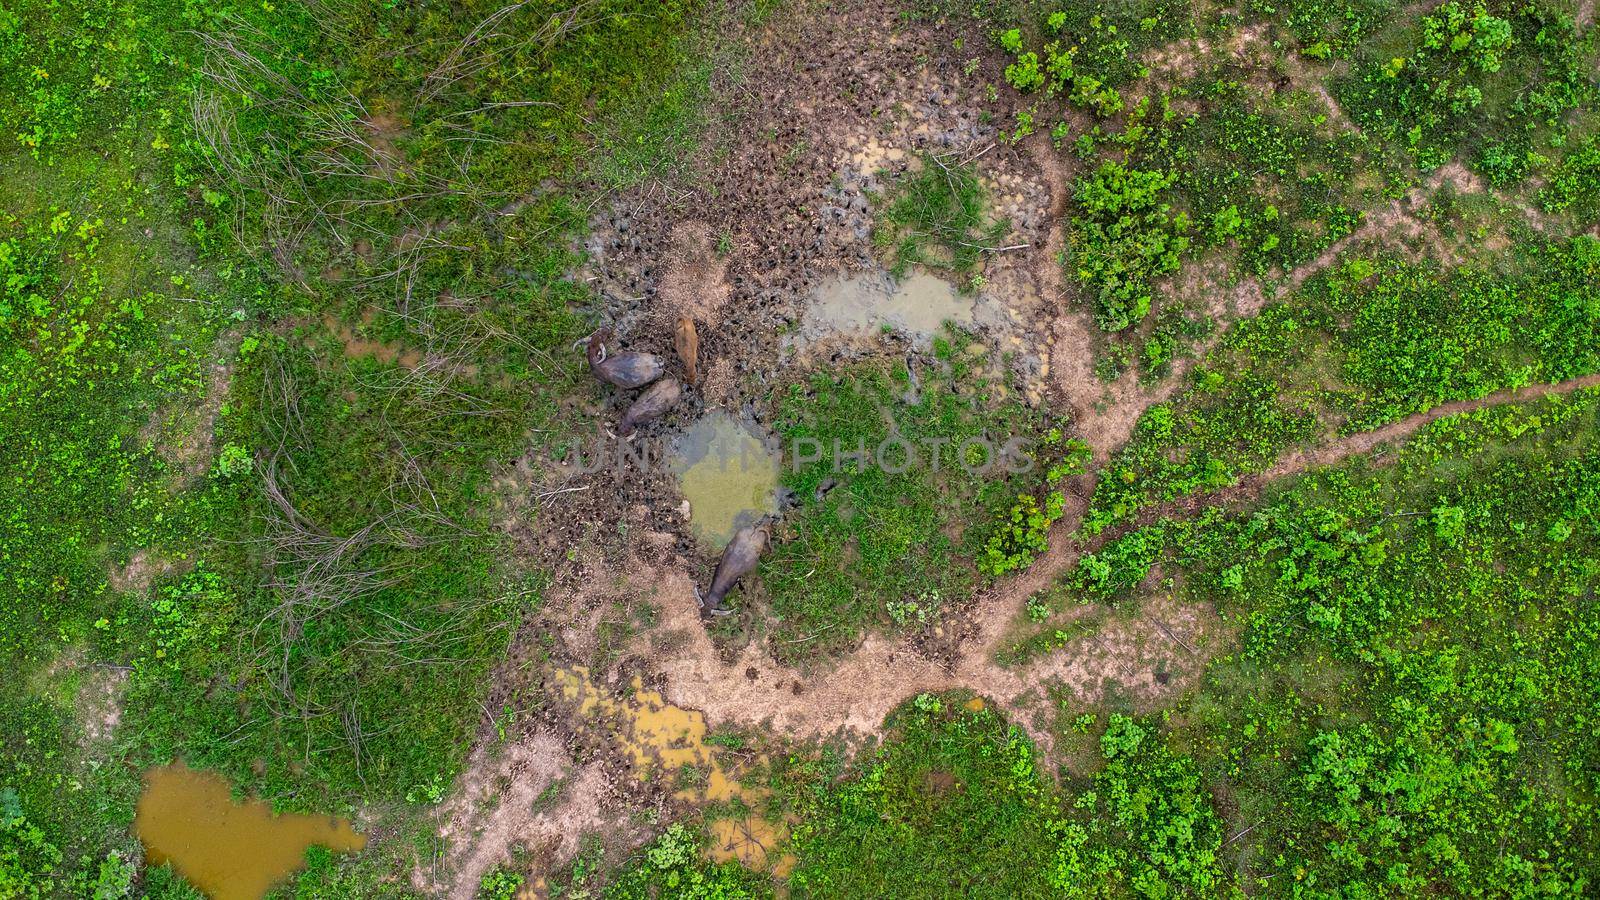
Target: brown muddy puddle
[
  {"x": 229, "y": 850},
  {"x": 667, "y": 742},
  {"x": 916, "y": 306},
  {"x": 728, "y": 476}
]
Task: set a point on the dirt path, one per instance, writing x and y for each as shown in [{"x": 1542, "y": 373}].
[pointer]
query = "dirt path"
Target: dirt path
[
  {"x": 1366, "y": 441},
  {"x": 856, "y": 694}
]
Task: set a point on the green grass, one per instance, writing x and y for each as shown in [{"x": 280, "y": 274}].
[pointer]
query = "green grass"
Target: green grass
[
  {"x": 955, "y": 804},
  {"x": 327, "y": 658},
  {"x": 887, "y": 548},
  {"x": 1452, "y": 591},
  {"x": 1369, "y": 342},
  {"x": 935, "y": 217},
  {"x": 1327, "y": 28},
  {"x": 1406, "y": 709}
]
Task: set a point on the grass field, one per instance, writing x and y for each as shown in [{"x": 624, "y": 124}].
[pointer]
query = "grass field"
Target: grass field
[{"x": 290, "y": 304}]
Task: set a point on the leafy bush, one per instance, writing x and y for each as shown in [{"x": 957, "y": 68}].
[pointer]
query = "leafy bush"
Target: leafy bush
[
  {"x": 500, "y": 884},
  {"x": 1156, "y": 803},
  {"x": 1480, "y": 81},
  {"x": 1022, "y": 535},
  {"x": 28, "y": 861},
  {"x": 1575, "y": 184},
  {"x": 1124, "y": 236},
  {"x": 672, "y": 868}
]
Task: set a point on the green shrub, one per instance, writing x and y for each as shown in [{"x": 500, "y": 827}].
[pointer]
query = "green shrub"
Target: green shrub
[
  {"x": 1575, "y": 184},
  {"x": 1022, "y": 536},
  {"x": 1124, "y": 236}
]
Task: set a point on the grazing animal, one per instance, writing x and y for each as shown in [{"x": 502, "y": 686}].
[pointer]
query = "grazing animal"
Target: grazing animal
[
  {"x": 741, "y": 556},
  {"x": 687, "y": 342},
  {"x": 651, "y": 405},
  {"x": 625, "y": 370}
]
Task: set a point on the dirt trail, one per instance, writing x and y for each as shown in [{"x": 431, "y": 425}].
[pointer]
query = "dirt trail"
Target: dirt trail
[
  {"x": 1366, "y": 441},
  {"x": 857, "y": 693}
]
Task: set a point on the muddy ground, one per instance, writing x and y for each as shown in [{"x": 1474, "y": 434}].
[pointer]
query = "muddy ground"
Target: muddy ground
[{"x": 821, "y": 108}]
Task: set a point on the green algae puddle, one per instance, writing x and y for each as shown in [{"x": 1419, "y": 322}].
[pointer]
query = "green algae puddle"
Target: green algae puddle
[{"x": 727, "y": 475}]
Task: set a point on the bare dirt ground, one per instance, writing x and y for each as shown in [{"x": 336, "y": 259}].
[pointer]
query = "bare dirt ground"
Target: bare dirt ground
[
  {"x": 845, "y": 97},
  {"x": 530, "y": 793},
  {"x": 184, "y": 433}
]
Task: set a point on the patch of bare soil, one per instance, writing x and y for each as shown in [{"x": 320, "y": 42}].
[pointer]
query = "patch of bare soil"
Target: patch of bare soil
[
  {"x": 529, "y": 794},
  {"x": 383, "y": 129},
  {"x": 184, "y": 432},
  {"x": 1398, "y": 221},
  {"x": 1145, "y": 659},
  {"x": 99, "y": 702},
  {"x": 142, "y": 569},
  {"x": 96, "y": 696},
  {"x": 1403, "y": 228},
  {"x": 695, "y": 283},
  {"x": 1151, "y": 657}
]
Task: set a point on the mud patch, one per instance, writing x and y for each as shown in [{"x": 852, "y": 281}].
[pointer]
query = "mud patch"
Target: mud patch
[
  {"x": 665, "y": 741},
  {"x": 916, "y": 306},
  {"x": 753, "y": 841},
  {"x": 696, "y": 281},
  {"x": 356, "y": 345},
  {"x": 660, "y": 738}
]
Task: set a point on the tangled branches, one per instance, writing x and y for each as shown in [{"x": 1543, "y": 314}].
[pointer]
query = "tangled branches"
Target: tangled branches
[{"x": 326, "y": 614}]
